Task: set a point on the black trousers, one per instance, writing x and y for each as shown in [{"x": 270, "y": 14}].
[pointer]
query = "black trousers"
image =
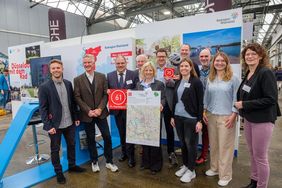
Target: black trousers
[
  {"x": 69, "y": 134},
  {"x": 127, "y": 149},
  {"x": 186, "y": 131},
  {"x": 103, "y": 126},
  {"x": 169, "y": 129}
]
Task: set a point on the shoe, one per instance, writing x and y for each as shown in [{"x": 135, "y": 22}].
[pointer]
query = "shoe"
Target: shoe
[
  {"x": 188, "y": 176},
  {"x": 223, "y": 182},
  {"x": 201, "y": 160},
  {"x": 122, "y": 158},
  {"x": 111, "y": 167},
  {"x": 253, "y": 184},
  {"x": 61, "y": 178},
  {"x": 131, "y": 163},
  {"x": 77, "y": 169},
  {"x": 172, "y": 159},
  {"x": 181, "y": 171},
  {"x": 95, "y": 167},
  {"x": 153, "y": 172},
  {"x": 211, "y": 173}
]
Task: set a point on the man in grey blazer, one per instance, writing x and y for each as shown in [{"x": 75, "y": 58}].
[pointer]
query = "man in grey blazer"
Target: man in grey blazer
[{"x": 90, "y": 91}]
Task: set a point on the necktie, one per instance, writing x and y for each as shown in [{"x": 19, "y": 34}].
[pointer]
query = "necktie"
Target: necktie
[{"x": 120, "y": 83}]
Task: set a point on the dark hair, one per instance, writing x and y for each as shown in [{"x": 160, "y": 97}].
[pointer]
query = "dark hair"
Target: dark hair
[
  {"x": 261, "y": 51},
  {"x": 55, "y": 61},
  {"x": 192, "y": 72},
  {"x": 161, "y": 50},
  {"x": 6, "y": 70}
]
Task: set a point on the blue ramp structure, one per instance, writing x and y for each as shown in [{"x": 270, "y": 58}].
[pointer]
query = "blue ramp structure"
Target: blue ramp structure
[{"x": 43, "y": 171}]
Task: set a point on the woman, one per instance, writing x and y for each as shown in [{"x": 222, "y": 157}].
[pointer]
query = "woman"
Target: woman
[
  {"x": 188, "y": 113},
  {"x": 220, "y": 115},
  {"x": 151, "y": 156},
  {"x": 258, "y": 105}
]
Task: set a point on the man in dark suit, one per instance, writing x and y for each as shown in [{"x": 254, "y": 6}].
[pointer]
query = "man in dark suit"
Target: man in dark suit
[
  {"x": 90, "y": 90},
  {"x": 122, "y": 78},
  {"x": 185, "y": 52},
  {"x": 58, "y": 112}
]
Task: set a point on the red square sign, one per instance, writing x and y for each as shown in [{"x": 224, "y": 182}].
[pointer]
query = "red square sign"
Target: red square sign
[
  {"x": 169, "y": 72},
  {"x": 117, "y": 99}
]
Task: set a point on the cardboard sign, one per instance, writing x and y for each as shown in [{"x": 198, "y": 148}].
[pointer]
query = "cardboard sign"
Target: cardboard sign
[
  {"x": 117, "y": 99},
  {"x": 169, "y": 72}
]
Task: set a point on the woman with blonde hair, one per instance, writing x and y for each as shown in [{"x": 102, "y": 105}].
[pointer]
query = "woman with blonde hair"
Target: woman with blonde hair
[
  {"x": 220, "y": 116},
  {"x": 151, "y": 156}
]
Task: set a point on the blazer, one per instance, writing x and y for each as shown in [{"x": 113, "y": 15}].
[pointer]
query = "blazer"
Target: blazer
[
  {"x": 260, "y": 104},
  {"x": 155, "y": 86},
  {"x": 192, "y": 98},
  {"x": 50, "y": 106},
  {"x": 3, "y": 83},
  {"x": 131, "y": 78},
  {"x": 87, "y": 100}
]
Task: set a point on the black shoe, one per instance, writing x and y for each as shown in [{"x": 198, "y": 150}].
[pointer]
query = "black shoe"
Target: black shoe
[
  {"x": 122, "y": 158},
  {"x": 61, "y": 178},
  {"x": 253, "y": 184},
  {"x": 131, "y": 163},
  {"x": 77, "y": 169}
]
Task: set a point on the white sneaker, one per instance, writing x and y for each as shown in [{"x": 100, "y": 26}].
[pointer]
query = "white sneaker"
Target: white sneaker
[
  {"x": 211, "y": 173},
  {"x": 223, "y": 182},
  {"x": 111, "y": 167},
  {"x": 179, "y": 173},
  {"x": 188, "y": 176},
  {"x": 95, "y": 167}
]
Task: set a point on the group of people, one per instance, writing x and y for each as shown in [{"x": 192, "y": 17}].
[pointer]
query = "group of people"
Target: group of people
[{"x": 206, "y": 100}]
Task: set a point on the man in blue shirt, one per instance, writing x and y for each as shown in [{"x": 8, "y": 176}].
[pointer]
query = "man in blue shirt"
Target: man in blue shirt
[{"x": 5, "y": 87}]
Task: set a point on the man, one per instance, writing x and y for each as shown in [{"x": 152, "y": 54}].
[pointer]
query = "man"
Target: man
[
  {"x": 185, "y": 53},
  {"x": 5, "y": 87},
  {"x": 140, "y": 61},
  {"x": 90, "y": 91},
  {"x": 122, "y": 78},
  {"x": 205, "y": 59},
  {"x": 161, "y": 55},
  {"x": 58, "y": 113}
]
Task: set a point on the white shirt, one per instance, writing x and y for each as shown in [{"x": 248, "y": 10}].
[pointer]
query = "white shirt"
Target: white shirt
[{"x": 90, "y": 77}]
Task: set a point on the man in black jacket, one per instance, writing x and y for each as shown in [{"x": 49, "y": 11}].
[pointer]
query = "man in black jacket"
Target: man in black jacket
[{"x": 58, "y": 112}]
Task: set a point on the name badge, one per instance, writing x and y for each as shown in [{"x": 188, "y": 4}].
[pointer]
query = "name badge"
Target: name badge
[
  {"x": 187, "y": 85},
  {"x": 148, "y": 89},
  {"x": 246, "y": 88},
  {"x": 128, "y": 82}
]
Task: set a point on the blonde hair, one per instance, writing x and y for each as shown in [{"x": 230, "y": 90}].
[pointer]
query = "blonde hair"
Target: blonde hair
[
  {"x": 228, "y": 73},
  {"x": 148, "y": 64}
]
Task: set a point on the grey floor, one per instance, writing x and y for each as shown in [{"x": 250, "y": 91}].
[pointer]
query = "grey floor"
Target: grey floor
[{"x": 135, "y": 177}]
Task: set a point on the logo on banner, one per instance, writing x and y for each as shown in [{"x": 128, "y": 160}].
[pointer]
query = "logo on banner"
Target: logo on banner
[
  {"x": 169, "y": 72},
  {"x": 231, "y": 19},
  {"x": 117, "y": 99}
]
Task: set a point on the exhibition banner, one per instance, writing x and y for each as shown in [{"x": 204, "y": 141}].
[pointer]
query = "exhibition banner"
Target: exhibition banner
[{"x": 57, "y": 25}]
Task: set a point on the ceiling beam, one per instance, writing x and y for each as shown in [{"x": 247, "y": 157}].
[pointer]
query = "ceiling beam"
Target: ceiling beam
[{"x": 264, "y": 10}]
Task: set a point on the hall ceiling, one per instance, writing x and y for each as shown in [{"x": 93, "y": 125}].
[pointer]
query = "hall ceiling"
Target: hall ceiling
[{"x": 266, "y": 14}]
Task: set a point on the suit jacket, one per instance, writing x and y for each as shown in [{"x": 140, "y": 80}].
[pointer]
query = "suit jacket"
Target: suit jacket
[
  {"x": 155, "y": 86},
  {"x": 131, "y": 78},
  {"x": 260, "y": 104},
  {"x": 87, "y": 100},
  {"x": 50, "y": 106},
  {"x": 192, "y": 98},
  {"x": 3, "y": 83}
]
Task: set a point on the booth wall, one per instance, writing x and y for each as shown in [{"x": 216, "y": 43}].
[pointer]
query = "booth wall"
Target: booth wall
[{"x": 20, "y": 24}]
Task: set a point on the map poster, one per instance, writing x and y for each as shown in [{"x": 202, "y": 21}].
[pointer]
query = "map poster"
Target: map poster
[{"x": 143, "y": 118}]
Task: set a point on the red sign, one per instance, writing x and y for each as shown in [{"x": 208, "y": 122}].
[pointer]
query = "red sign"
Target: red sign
[
  {"x": 169, "y": 72},
  {"x": 117, "y": 99},
  {"x": 125, "y": 53}
]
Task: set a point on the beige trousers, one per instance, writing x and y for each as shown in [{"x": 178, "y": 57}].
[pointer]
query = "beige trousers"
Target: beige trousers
[{"x": 221, "y": 145}]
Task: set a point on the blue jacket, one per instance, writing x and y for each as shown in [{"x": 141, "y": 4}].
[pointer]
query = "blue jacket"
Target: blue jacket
[{"x": 3, "y": 83}]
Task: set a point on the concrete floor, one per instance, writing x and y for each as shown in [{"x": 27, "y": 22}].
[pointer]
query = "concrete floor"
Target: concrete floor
[{"x": 135, "y": 177}]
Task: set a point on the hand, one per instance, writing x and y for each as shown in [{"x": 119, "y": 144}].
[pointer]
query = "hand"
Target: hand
[
  {"x": 176, "y": 77},
  {"x": 199, "y": 127},
  {"x": 90, "y": 113},
  {"x": 172, "y": 122},
  {"x": 77, "y": 122},
  {"x": 52, "y": 131},
  {"x": 229, "y": 123},
  {"x": 161, "y": 108},
  {"x": 97, "y": 112},
  {"x": 238, "y": 105},
  {"x": 167, "y": 78},
  {"x": 2, "y": 92},
  {"x": 205, "y": 118},
  {"x": 108, "y": 91}
]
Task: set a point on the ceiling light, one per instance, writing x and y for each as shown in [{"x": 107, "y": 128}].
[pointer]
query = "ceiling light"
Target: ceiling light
[{"x": 167, "y": 12}]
